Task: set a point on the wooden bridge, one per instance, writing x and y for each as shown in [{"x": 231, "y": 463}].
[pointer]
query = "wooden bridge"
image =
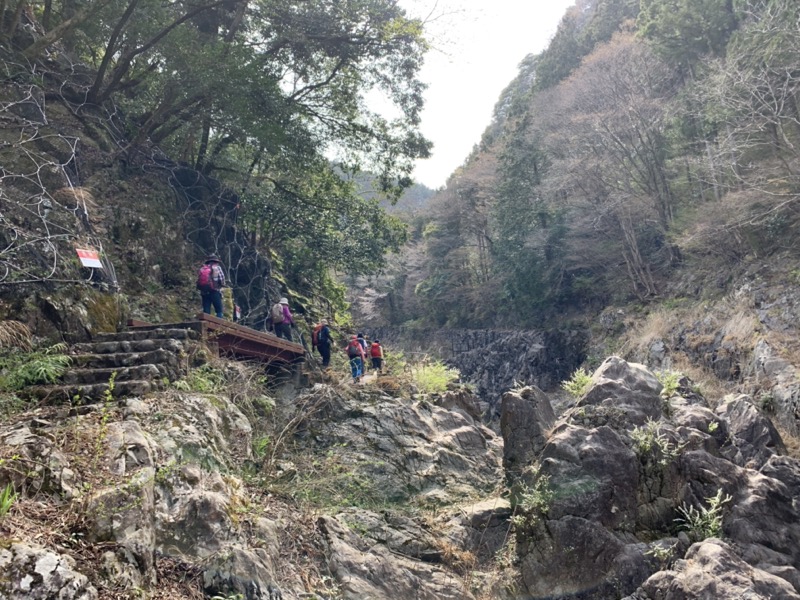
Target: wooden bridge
[{"x": 234, "y": 340}]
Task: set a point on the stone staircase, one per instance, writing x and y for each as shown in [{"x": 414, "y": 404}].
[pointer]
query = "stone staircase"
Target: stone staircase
[{"x": 143, "y": 360}]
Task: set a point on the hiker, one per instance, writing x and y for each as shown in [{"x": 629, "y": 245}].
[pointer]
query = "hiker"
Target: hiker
[
  {"x": 355, "y": 352},
  {"x": 321, "y": 340},
  {"x": 282, "y": 319},
  {"x": 376, "y": 353},
  {"x": 210, "y": 281},
  {"x": 364, "y": 346}
]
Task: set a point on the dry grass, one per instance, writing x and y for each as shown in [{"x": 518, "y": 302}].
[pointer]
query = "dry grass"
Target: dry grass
[
  {"x": 741, "y": 327},
  {"x": 14, "y": 334},
  {"x": 656, "y": 326},
  {"x": 787, "y": 345},
  {"x": 790, "y": 440},
  {"x": 459, "y": 560},
  {"x": 708, "y": 384}
]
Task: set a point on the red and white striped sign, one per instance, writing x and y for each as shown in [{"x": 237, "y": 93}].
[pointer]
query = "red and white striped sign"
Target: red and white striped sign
[{"x": 89, "y": 258}]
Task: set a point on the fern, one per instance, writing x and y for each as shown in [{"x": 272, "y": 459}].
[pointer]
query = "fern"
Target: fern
[{"x": 33, "y": 368}]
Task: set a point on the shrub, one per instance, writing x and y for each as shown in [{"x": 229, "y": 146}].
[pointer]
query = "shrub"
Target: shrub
[
  {"x": 578, "y": 383},
  {"x": 648, "y": 440},
  {"x": 22, "y": 369},
  {"x": 204, "y": 379},
  {"x": 532, "y": 502},
  {"x": 704, "y": 522},
  {"x": 434, "y": 377},
  {"x": 670, "y": 382}
]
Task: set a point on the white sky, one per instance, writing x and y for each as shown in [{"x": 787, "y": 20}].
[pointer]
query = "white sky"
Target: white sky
[{"x": 478, "y": 45}]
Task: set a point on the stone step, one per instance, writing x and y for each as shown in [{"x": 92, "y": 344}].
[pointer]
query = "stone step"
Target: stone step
[
  {"x": 90, "y": 376},
  {"x": 127, "y": 359},
  {"x": 113, "y": 347},
  {"x": 93, "y": 393},
  {"x": 136, "y": 335}
]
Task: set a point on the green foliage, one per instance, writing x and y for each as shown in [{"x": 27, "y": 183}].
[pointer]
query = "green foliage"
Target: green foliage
[
  {"x": 261, "y": 446},
  {"x": 531, "y": 503},
  {"x": 259, "y": 97},
  {"x": 22, "y": 369},
  {"x": 11, "y": 404},
  {"x": 7, "y": 498},
  {"x": 204, "y": 379},
  {"x": 767, "y": 402},
  {"x": 704, "y": 522},
  {"x": 670, "y": 382},
  {"x": 685, "y": 30},
  {"x": 663, "y": 554},
  {"x": 578, "y": 384},
  {"x": 335, "y": 480},
  {"x": 578, "y": 34},
  {"x": 650, "y": 442},
  {"x": 433, "y": 377}
]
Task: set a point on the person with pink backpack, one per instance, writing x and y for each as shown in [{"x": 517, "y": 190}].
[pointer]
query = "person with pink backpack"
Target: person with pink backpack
[{"x": 210, "y": 281}]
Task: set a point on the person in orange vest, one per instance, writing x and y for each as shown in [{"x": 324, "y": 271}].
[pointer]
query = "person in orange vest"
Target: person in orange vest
[
  {"x": 355, "y": 352},
  {"x": 376, "y": 353}
]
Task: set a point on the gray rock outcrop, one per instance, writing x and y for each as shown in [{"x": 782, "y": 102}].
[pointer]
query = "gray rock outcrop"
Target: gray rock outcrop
[
  {"x": 600, "y": 502},
  {"x": 30, "y": 572}
]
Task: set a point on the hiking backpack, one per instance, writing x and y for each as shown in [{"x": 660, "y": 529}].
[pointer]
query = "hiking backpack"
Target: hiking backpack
[
  {"x": 354, "y": 349},
  {"x": 315, "y": 336},
  {"x": 205, "y": 282},
  {"x": 277, "y": 313}
]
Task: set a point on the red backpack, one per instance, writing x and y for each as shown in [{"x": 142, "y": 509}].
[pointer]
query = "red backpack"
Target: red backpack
[
  {"x": 354, "y": 349},
  {"x": 315, "y": 336},
  {"x": 205, "y": 283}
]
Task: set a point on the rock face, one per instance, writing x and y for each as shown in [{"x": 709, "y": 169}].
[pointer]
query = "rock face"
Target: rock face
[
  {"x": 712, "y": 570},
  {"x": 409, "y": 450},
  {"x": 495, "y": 361},
  {"x": 33, "y": 573},
  {"x": 526, "y": 419},
  {"x": 152, "y": 489},
  {"x": 157, "y": 482},
  {"x": 410, "y": 497},
  {"x": 598, "y": 502},
  {"x": 387, "y": 560}
]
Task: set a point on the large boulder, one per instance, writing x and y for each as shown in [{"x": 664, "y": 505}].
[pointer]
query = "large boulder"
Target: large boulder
[
  {"x": 624, "y": 466},
  {"x": 753, "y": 438},
  {"x": 370, "y": 557},
  {"x": 406, "y": 450},
  {"x": 711, "y": 569},
  {"x": 526, "y": 418},
  {"x": 35, "y": 463},
  {"x": 625, "y": 394},
  {"x": 31, "y": 572}
]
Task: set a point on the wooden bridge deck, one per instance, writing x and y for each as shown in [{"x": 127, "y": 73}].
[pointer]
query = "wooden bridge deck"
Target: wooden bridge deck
[{"x": 234, "y": 340}]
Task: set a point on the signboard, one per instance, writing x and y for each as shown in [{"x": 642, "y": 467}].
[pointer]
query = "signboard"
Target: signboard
[{"x": 89, "y": 258}]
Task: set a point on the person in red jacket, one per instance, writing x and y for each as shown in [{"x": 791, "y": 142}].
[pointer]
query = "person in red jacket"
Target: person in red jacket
[
  {"x": 376, "y": 353},
  {"x": 355, "y": 352}
]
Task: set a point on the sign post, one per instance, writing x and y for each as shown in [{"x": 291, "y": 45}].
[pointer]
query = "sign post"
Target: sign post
[{"x": 89, "y": 258}]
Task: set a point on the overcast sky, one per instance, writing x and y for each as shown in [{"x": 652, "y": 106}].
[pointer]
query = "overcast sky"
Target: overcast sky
[{"x": 478, "y": 45}]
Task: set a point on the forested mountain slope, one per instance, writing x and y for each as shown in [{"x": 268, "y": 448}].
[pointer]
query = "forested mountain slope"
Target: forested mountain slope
[
  {"x": 639, "y": 182},
  {"x": 159, "y": 134},
  {"x": 644, "y": 142}
]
